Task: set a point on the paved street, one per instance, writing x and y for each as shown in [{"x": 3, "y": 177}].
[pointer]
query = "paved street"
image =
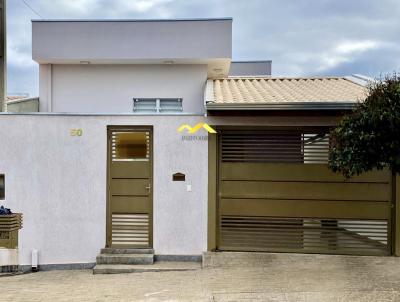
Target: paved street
[{"x": 272, "y": 277}]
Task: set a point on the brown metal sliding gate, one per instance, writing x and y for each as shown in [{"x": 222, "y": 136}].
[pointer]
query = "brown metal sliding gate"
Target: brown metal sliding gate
[{"x": 276, "y": 193}]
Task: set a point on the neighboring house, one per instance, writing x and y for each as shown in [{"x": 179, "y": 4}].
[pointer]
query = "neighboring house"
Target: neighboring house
[
  {"x": 21, "y": 103},
  {"x": 104, "y": 165},
  {"x": 12, "y": 98}
]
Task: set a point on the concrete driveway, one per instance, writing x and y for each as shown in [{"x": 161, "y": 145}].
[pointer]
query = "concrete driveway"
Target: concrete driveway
[{"x": 229, "y": 277}]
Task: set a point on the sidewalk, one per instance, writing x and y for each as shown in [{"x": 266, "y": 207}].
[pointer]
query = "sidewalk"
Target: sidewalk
[{"x": 297, "y": 278}]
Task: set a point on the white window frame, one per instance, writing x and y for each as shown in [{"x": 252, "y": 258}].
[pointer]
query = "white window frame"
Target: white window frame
[{"x": 158, "y": 108}]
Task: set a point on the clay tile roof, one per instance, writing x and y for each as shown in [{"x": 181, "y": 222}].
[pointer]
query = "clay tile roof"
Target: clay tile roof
[{"x": 263, "y": 90}]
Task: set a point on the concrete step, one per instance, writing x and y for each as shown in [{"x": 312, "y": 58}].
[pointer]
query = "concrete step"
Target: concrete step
[
  {"x": 156, "y": 267},
  {"x": 109, "y": 250},
  {"x": 125, "y": 259}
]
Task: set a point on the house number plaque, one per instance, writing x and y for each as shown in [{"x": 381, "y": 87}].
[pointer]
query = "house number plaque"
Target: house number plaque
[{"x": 76, "y": 132}]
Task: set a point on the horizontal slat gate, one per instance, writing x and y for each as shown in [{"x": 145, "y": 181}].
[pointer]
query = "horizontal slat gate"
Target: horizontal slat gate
[
  {"x": 9, "y": 226},
  {"x": 276, "y": 193},
  {"x": 130, "y": 230}
]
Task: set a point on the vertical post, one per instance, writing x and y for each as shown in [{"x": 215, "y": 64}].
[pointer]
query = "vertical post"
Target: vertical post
[
  {"x": 212, "y": 192},
  {"x": 3, "y": 52},
  {"x": 45, "y": 87},
  {"x": 396, "y": 215}
]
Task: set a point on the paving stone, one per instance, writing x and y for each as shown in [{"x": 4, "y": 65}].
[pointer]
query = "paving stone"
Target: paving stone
[{"x": 285, "y": 277}]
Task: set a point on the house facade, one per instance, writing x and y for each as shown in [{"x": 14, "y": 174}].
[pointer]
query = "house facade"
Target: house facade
[{"x": 150, "y": 136}]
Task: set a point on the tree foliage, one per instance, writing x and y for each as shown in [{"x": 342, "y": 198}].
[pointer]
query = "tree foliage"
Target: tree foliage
[{"x": 369, "y": 137}]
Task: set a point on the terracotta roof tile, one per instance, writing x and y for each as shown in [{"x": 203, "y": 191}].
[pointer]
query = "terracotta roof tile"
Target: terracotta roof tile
[{"x": 244, "y": 90}]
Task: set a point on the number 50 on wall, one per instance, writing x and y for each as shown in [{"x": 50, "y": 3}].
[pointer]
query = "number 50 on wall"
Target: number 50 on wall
[{"x": 76, "y": 132}]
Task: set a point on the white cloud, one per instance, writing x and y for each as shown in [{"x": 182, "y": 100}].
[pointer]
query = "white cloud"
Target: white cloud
[
  {"x": 143, "y": 6},
  {"x": 72, "y": 7},
  {"x": 18, "y": 57},
  {"x": 345, "y": 52},
  {"x": 98, "y": 9},
  {"x": 306, "y": 37},
  {"x": 349, "y": 47}
]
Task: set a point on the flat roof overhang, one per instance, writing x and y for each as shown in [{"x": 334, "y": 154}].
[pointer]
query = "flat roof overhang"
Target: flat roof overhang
[{"x": 177, "y": 41}]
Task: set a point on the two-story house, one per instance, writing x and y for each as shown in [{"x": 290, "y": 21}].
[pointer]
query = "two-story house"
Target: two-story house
[{"x": 150, "y": 137}]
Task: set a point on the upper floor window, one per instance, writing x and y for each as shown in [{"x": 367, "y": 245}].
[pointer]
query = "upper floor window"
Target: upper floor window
[{"x": 157, "y": 105}]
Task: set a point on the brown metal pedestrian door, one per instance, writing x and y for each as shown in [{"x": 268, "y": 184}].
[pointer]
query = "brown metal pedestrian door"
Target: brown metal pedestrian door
[
  {"x": 129, "y": 218},
  {"x": 276, "y": 193}
]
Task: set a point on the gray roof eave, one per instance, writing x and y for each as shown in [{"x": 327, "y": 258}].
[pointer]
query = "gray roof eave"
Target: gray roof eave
[
  {"x": 326, "y": 105},
  {"x": 134, "y": 20}
]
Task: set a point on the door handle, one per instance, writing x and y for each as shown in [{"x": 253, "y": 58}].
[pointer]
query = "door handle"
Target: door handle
[{"x": 148, "y": 188}]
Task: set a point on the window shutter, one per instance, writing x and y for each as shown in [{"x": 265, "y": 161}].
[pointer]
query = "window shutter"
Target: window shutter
[
  {"x": 145, "y": 105},
  {"x": 171, "y": 105},
  {"x": 157, "y": 105}
]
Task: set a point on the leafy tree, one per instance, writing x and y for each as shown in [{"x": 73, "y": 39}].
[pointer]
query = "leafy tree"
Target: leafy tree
[{"x": 369, "y": 137}]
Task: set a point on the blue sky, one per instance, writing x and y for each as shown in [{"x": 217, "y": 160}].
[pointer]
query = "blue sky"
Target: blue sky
[{"x": 301, "y": 37}]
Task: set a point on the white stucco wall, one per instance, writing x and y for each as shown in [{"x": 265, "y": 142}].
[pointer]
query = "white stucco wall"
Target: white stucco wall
[
  {"x": 111, "y": 88},
  {"x": 58, "y": 182},
  {"x": 68, "y": 41}
]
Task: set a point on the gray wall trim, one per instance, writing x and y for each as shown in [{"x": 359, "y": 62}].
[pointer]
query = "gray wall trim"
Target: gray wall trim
[
  {"x": 253, "y": 61},
  {"x": 99, "y": 114},
  {"x": 61, "y": 266},
  {"x": 182, "y": 258},
  {"x": 133, "y": 20},
  {"x": 285, "y": 106}
]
